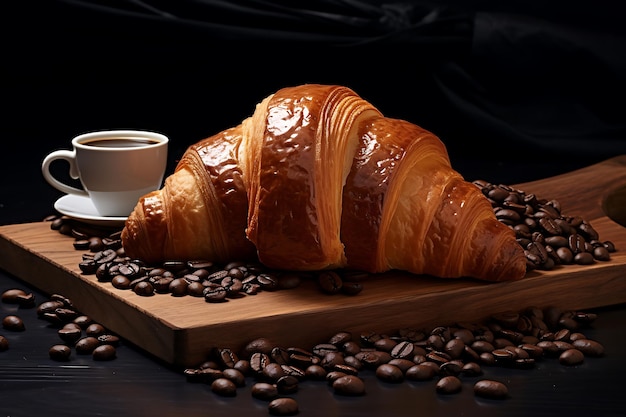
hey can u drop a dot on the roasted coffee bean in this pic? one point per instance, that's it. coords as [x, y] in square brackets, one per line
[18, 296]
[332, 359]
[283, 407]
[449, 385]
[48, 307]
[66, 314]
[329, 282]
[104, 352]
[349, 385]
[144, 289]
[203, 375]
[487, 388]
[268, 282]
[272, 371]
[294, 371]
[60, 353]
[224, 387]
[322, 349]
[315, 372]
[351, 288]
[108, 339]
[403, 364]
[385, 344]
[215, 295]
[571, 357]
[258, 361]
[70, 334]
[373, 359]
[236, 376]
[13, 323]
[260, 345]
[288, 281]
[389, 373]
[83, 321]
[421, 372]
[471, 369]
[583, 258]
[86, 345]
[287, 384]
[455, 348]
[121, 282]
[403, 349]
[4, 343]
[451, 368]
[95, 329]
[264, 391]
[589, 347]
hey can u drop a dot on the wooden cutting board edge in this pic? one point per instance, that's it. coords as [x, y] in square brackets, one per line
[305, 316]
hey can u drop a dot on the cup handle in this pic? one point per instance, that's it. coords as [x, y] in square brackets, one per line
[70, 157]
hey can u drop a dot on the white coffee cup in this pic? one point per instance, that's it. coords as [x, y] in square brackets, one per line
[115, 168]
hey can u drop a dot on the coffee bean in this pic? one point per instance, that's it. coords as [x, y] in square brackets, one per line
[4, 343]
[315, 372]
[224, 387]
[60, 353]
[571, 357]
[329, 282]
[283, 407]
[349, 385]
[491, 389]
[18, 296]
[287, 384]
[70, 334]
[389, 373]
[104, 353]
[589, 347]
[86, 345]
[449, 385]
[235, 375]
[420, 372]
[13, 323]
[264, 391]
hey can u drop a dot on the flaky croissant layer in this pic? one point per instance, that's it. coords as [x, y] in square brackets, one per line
[318, 178]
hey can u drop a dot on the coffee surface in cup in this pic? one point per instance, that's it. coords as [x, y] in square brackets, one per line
[121, 142]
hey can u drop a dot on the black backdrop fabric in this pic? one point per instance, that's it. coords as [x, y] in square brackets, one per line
[501, 85]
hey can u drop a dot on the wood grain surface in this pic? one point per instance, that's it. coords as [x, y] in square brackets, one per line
[182, 330]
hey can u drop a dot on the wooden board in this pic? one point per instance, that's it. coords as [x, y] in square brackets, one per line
[181, 330]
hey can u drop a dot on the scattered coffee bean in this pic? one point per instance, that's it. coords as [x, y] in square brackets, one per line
[18, 296]
[283, 407]
[4, 343]
[264, 391]
[571, 357]
[104, 353]
[491, 389]
[349, 385]
[60, 353]
[449, 385]
[224, 387]
[13, 323]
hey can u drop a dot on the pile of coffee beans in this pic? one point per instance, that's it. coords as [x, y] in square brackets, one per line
[549, 238]
[77, 332]
[445, 354]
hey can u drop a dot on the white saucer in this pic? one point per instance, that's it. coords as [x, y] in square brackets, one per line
[81, 208]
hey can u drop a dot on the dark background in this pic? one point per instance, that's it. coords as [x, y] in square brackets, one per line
[517, 91]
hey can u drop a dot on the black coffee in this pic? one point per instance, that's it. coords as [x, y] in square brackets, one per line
[122, 142]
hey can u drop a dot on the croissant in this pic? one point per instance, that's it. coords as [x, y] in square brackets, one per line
[317, 178]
